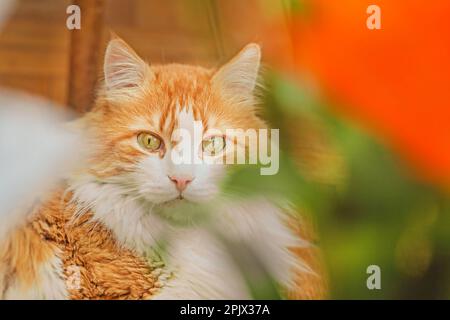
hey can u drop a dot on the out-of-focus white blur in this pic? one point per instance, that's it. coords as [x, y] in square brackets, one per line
[36, 150]
[6, 7]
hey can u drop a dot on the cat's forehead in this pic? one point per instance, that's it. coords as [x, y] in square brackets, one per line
[181, 96]
[181, 80]
[183, 114]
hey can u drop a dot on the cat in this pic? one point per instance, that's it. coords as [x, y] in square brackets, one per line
[104, 234]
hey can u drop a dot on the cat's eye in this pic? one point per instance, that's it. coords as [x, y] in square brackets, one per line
[149, 141]
[213, 145]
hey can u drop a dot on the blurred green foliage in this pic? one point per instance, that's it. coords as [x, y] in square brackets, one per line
[369, 207]
[377, 214]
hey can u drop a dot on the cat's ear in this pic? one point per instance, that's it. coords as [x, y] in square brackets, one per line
[238, 78]
[123, 69]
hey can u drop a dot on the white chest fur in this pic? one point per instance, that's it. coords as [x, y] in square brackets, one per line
[200, 263]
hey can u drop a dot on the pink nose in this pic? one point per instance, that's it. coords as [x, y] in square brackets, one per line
[180, 182]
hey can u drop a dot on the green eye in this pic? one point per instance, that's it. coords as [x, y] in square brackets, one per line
[213, 145]
[149, 141]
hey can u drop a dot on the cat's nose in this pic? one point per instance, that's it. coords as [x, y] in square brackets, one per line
[180, 182]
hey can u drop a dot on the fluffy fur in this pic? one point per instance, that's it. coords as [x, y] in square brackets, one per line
[108, 227]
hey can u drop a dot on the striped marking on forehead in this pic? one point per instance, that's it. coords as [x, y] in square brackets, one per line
[181, 114]
[186, 119]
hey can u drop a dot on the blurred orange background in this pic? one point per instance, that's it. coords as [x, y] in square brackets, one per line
[394, 80]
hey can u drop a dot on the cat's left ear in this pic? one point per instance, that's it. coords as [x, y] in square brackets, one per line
[123, 68]
[238, 78]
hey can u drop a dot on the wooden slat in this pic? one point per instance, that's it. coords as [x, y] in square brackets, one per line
[35, 45]
[34, 49]
[52, 88]
[84, 58]
[19, 62]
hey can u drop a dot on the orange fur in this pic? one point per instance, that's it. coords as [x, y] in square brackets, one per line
[107, 270]
[21, 256]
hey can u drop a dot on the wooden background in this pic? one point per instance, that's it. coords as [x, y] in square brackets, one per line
[40, 55]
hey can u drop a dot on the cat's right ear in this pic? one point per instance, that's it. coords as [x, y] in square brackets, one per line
[123, 69]
[237, 79]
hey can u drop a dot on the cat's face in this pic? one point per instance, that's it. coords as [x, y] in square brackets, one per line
[153, 125]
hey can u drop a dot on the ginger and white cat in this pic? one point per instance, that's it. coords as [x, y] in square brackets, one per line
[100, 235]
